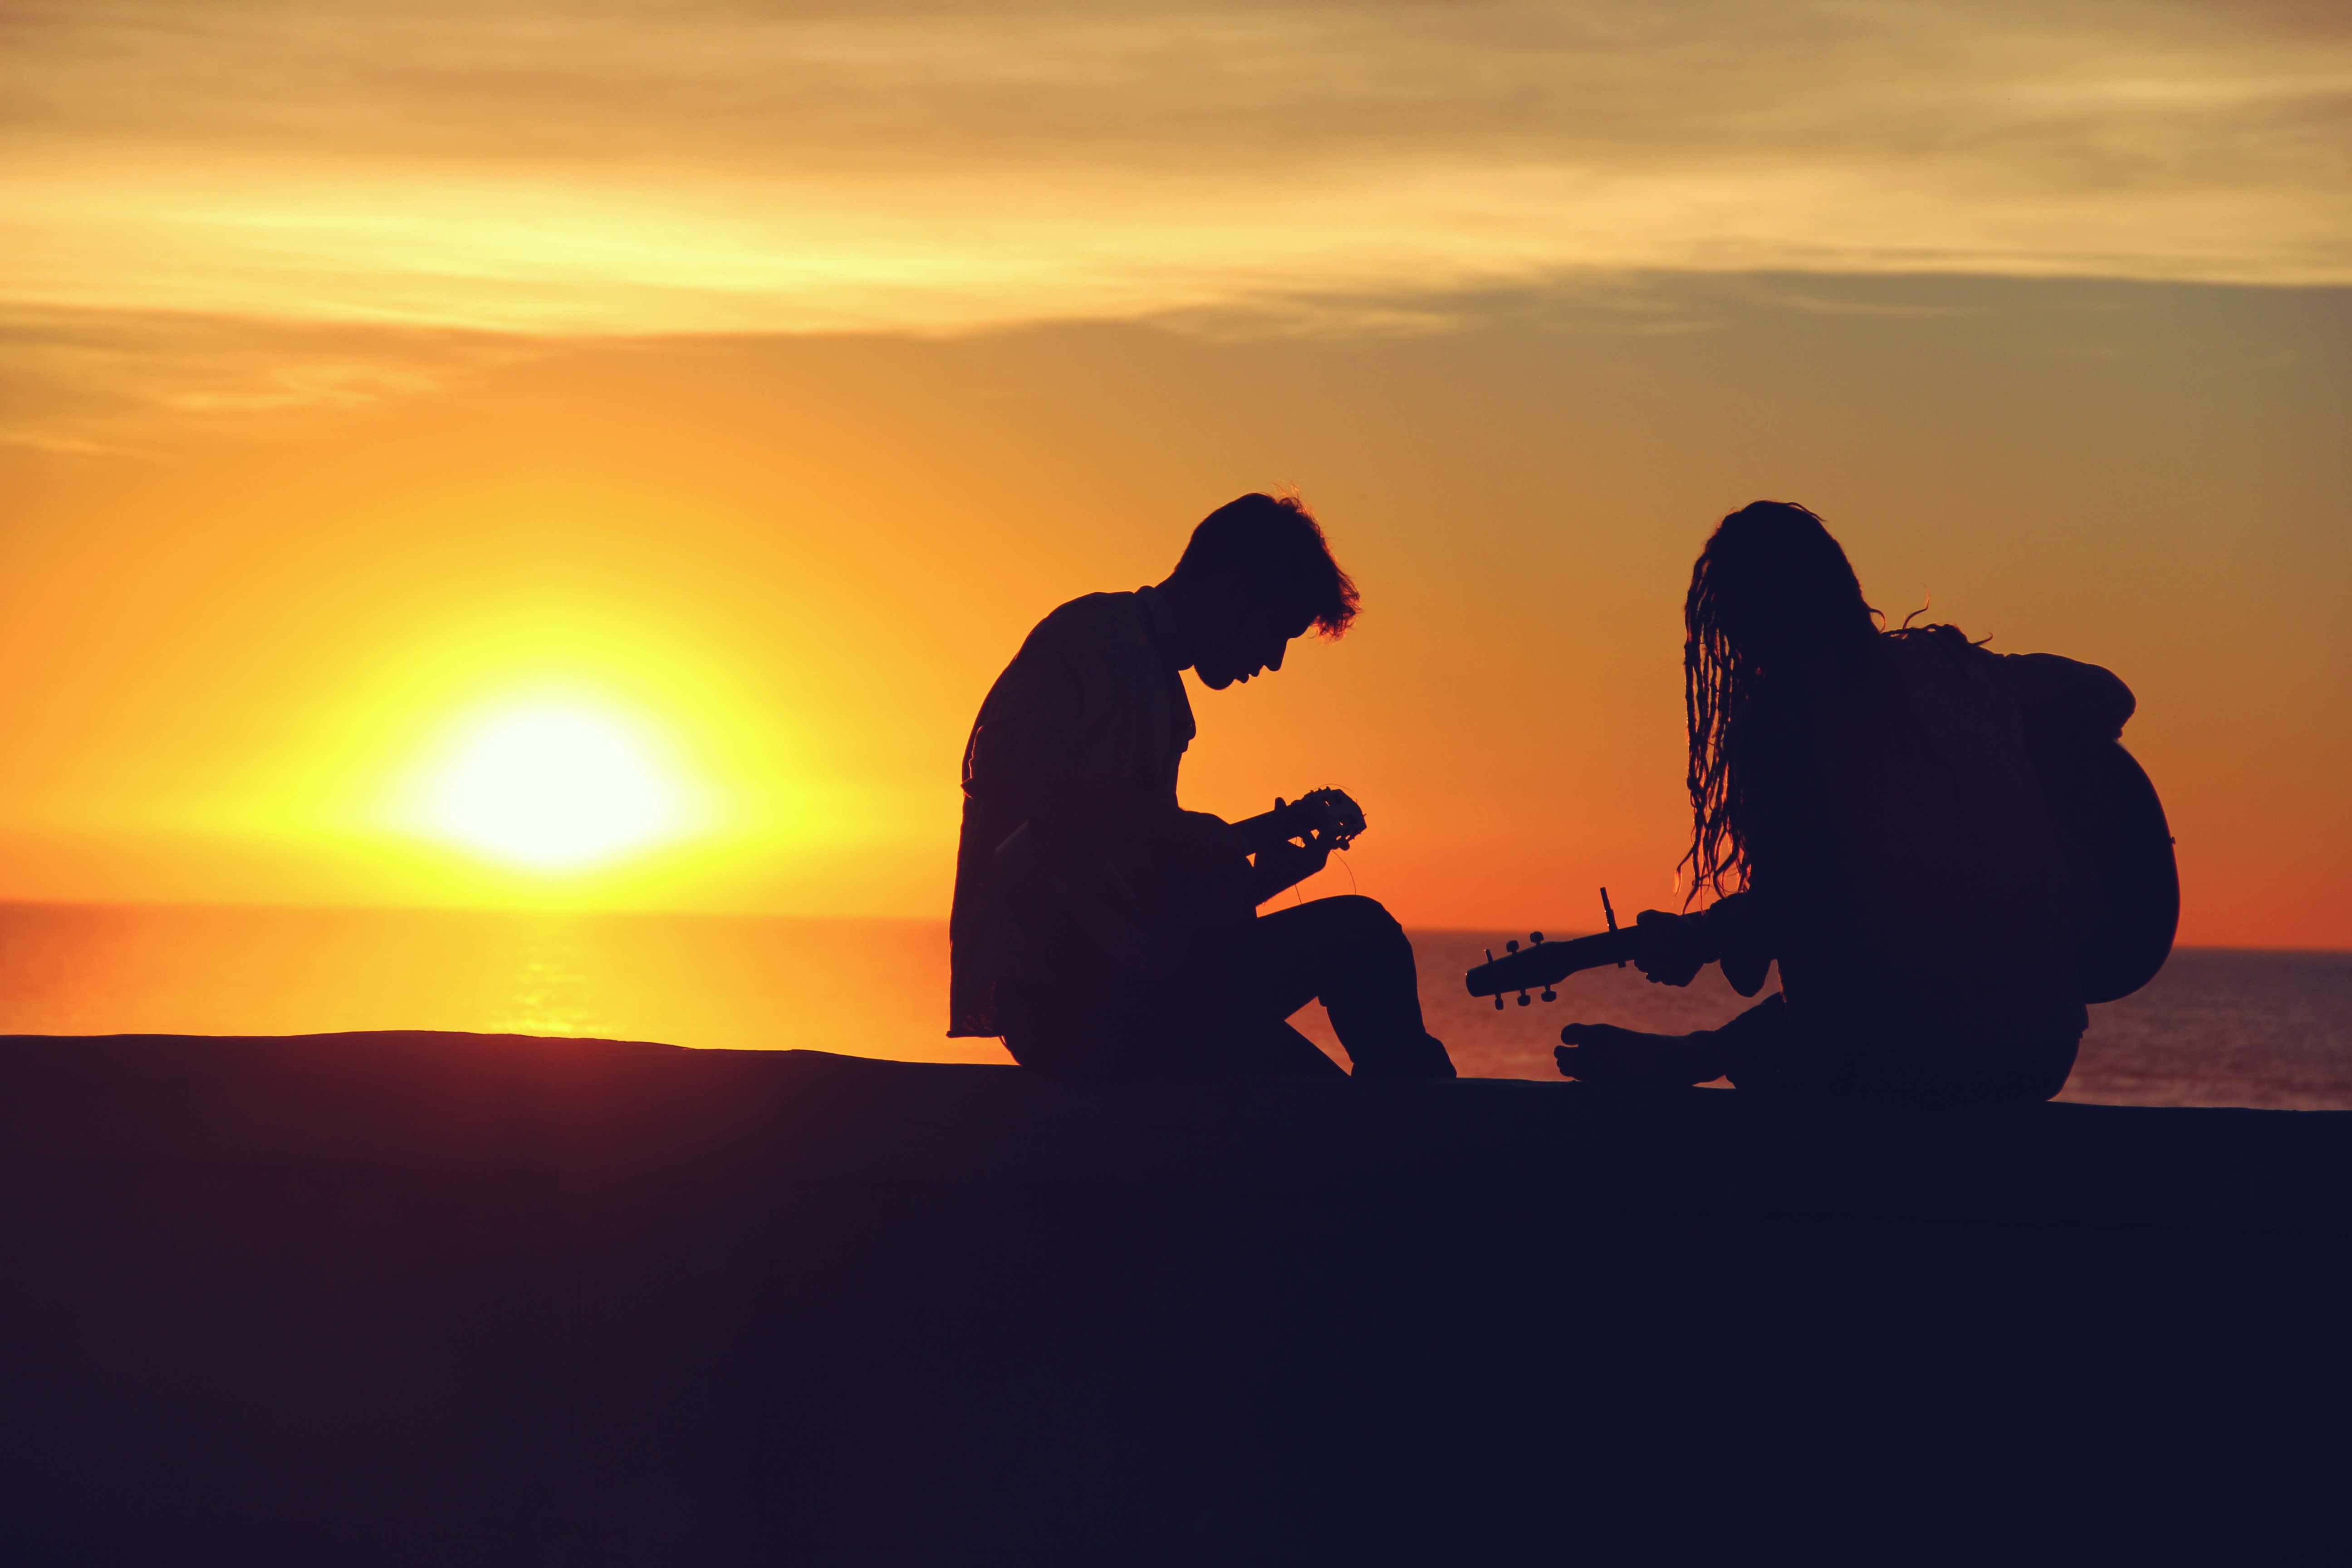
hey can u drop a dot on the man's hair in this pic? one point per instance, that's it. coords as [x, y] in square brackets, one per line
[1275, 543]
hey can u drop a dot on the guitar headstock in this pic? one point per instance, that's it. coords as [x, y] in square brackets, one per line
[1332, 811]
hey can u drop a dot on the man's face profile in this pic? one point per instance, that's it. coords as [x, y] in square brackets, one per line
[1241, 634]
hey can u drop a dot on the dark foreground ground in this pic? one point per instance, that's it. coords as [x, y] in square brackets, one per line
[447, 1300]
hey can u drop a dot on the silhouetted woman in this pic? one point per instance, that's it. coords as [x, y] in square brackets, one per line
[1868, 812]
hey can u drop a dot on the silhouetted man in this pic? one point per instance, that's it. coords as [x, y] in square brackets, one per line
[1103, 931]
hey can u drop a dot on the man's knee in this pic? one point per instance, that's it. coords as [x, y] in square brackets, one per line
[1366, 923]
[1356, 910]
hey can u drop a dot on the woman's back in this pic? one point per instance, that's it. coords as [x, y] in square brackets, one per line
[1929, 901]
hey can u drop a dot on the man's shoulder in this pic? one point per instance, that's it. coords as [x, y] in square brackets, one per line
[1127, 606]
[1088, 626]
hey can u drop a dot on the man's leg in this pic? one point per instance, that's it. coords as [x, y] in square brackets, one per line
[1080, 1027]
[1348, 951]
[1085, 1021]
[1244, 1047]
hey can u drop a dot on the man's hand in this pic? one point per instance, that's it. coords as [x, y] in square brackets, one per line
[1280, 867]
[1672, 951]
[1325, 818]
[1328, 815]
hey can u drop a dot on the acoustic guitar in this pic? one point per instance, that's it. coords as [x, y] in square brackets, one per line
[1138, 902]
[2097, 790]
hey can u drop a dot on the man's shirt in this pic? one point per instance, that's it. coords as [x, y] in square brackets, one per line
[1078, 741]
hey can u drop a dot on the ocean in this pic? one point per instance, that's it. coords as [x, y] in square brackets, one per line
[2217, 1027]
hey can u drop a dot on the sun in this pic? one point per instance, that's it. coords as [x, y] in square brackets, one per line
[555, 785]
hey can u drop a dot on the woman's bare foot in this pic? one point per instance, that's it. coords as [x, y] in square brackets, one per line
[1603, 1053]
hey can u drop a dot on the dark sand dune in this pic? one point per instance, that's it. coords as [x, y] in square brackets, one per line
[447, 1300]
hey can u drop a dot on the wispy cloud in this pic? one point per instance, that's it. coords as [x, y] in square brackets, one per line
[114, 384]
[718, 166]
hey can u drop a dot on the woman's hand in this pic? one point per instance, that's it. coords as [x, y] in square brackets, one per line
[1672, 951]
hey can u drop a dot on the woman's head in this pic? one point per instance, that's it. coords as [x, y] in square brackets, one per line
[1770, 588]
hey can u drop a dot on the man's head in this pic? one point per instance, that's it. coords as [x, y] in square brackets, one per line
[1256, 573]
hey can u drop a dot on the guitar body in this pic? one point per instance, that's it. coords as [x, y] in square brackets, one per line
[2101, 795]
[2097, 790]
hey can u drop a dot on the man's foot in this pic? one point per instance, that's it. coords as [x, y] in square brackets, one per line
[1603, 1053]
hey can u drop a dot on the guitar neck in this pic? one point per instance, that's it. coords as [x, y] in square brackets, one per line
[1549, 962]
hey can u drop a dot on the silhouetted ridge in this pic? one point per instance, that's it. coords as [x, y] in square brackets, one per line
[408, 1297]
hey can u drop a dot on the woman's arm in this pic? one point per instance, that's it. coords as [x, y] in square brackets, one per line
[1736, 930]
[1745, 938]
[2062, 695]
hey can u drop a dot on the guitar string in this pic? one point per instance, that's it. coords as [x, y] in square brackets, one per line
[1298, 897]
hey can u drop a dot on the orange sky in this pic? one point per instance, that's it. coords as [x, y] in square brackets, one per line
[761, 377]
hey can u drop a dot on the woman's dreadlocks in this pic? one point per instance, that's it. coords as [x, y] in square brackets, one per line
[1770, 586]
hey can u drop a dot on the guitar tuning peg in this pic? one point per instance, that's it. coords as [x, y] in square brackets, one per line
[1499, 1001]
[1523, 998]
[1549, 994]
[1535, 939]
[1511, 947]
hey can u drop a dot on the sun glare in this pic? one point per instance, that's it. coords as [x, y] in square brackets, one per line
[555, 786]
